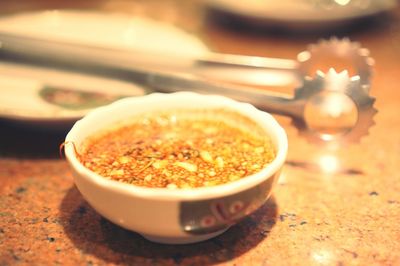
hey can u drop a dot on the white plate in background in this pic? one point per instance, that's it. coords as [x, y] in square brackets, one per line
[105, 30]
[44, 96]
[313, 12]
[23, 86]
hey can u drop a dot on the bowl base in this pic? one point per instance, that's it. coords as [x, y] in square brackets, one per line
[189, 239]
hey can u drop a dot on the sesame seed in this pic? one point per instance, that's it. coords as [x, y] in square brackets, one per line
[187, 166]
[206, 156]
[123, 160]
[148, 177]
[220, 162]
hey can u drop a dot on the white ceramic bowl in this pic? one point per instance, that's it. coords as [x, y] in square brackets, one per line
[179, 215]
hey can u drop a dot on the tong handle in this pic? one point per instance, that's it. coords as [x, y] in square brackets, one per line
[27, 46]
[272, 102]
[245, 61]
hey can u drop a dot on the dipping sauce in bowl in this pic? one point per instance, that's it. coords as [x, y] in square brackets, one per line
[179, 149]
[176, 168]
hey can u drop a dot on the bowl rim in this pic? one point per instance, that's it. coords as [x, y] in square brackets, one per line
[181, 194]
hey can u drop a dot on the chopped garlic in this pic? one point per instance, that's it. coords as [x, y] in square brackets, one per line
[187, 166]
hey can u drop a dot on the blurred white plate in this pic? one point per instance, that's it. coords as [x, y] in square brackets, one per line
[312, 12]
[53, 98]
[105, 30]
[49, 97]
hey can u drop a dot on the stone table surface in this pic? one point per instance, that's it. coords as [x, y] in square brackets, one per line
[330, 207]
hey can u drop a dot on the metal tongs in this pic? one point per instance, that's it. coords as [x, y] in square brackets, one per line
[327, 106]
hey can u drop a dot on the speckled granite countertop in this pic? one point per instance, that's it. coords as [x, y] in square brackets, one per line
[348, 215]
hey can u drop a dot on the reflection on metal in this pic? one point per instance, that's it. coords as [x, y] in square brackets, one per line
[354, 56]
[329, 163]
[342, 2]
[336, 107]
[322, 257]
[330, 113]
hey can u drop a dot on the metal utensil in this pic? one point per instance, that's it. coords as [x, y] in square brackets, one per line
[348, 121]
[208, 65]
[302, 66]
